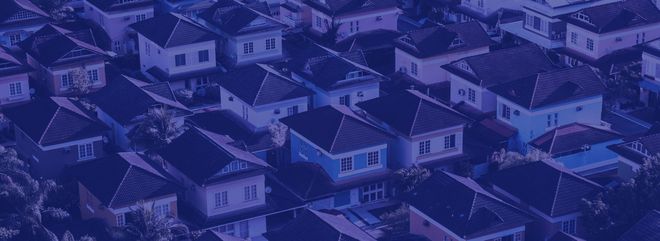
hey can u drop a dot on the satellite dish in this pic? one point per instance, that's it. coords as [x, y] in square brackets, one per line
[268, 190]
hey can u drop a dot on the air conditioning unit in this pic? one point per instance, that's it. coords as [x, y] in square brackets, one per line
[461, 92]
[403, 70]
[276, 111]
[516, 112]
[360, 94]
[379, 18]
[579, 108]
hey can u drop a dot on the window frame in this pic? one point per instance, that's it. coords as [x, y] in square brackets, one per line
[86, 151]
[180, 60]
[203, 56]
[424, 147]
[346, 164]
[15, 89]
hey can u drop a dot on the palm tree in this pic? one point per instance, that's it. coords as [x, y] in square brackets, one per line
[156, 130]
[145, 225]
[408, 178]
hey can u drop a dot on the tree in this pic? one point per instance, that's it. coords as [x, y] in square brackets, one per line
[156, 130]
[329, 38]
[278, 134]
[396, 221]
[68, 236]
[145, 225]
[613, 211]
[80, 82]
[22, 200]
[504, 159]
[408, 178]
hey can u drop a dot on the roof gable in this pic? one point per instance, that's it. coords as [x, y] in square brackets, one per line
[172, 30]
[443, 39]
[18, 10]
[615, 16]
[72, 45]
[261, 85]
[236, 18]
[573, 137]
[319, 226]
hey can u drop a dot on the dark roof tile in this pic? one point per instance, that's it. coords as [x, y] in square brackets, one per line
[172, 30]
[260, 84]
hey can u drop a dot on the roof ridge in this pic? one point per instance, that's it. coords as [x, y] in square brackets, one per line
[554, 199]
[554, 138]
[536, 83]
[49, 123]
[178, 21]
[412, 127]
[114, 195]
[261, 86]
[474, 201]
[334, 140]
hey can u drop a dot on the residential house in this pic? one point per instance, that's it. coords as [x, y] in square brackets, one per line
[542, 24]
[175, 49]
[18, 20]
[56, 132]
[316, 225]
[79, 57]
[249, 33]
[123, 104]
[335, 78]
[634, 151]
[548, 191]
[421, 53]
[595, 32]
[111, 188]
[472, 76]
[643, 229]
[581, 148]
[261, 95]
[347, 156]
[428, 132]
[295, 14]
[489, 13]
[114, 16]
[345, 18]
[14, 79]
[226, 187]
[547, 100]
[450, 207]
[650, 83]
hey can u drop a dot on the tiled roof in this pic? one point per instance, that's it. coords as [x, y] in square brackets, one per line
[468, 211]
[126, 98]
[330, 71]
[368, 40]
[616, 16]
[12, 64]
[572, 137]
[55, 120]
[319, 226]
[502, 66]
[553, 87]
[12, 7]
[123, 179]
[243, 133]
[340, 7]
[235, 18]
[412, 113]
[201, 155]
[172, 30]
[40, 45]
[650, 142]
[336, 129]
[646, 229]
[546, 186]
[438, 40]
[115, 5]
[260, 84]
[210, 235]
[561, 236]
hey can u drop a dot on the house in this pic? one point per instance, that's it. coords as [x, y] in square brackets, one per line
[112, 187]
[226, 187]
[595, 32]
[634, 151]
[123, 104]
[345, 18]
[114, 16]
[335, 78]
[489, 13]
[377, 47]
[210, 235]
[428, 132]
[56, 132]
[547, 100]
[175, 49]
[421, 53]
[581, 148]
[548, 191]
[650, 83]
[450, 207]
[18, 20]
[316, 225]
[542, 24]
[643, 229]
[471, 77]
[78, 57]
[248, 33]
[14, 78]
[343, 151]
[261, 95]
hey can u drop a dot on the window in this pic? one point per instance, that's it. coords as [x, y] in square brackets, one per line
[270, 43]
[574, 37]
[14, 39]
[117, 46]
[233, 166]
[228, 229]
[373, 192]
[472, 95]
[85, 151]
[424, 147]
[93, 75]
[319, 22]
[121, 219]
[568, 226]
[221, 199]
[553, 120]
[147, 48]
[162, 210]
[15, 89]
[355, 26]
[537, 23]
[250, 192]
[244, 229]
[506, 112]
[345, 100]
[180, 59]
[450, 141]
[20, 15]
[518, 236]
[65, 81]
[373, 158]
[590, 44]
[346, 164]
[140, 17]
[248, 48]
[413, 68]
[203, 56]
[480, 3]
[292, 110]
